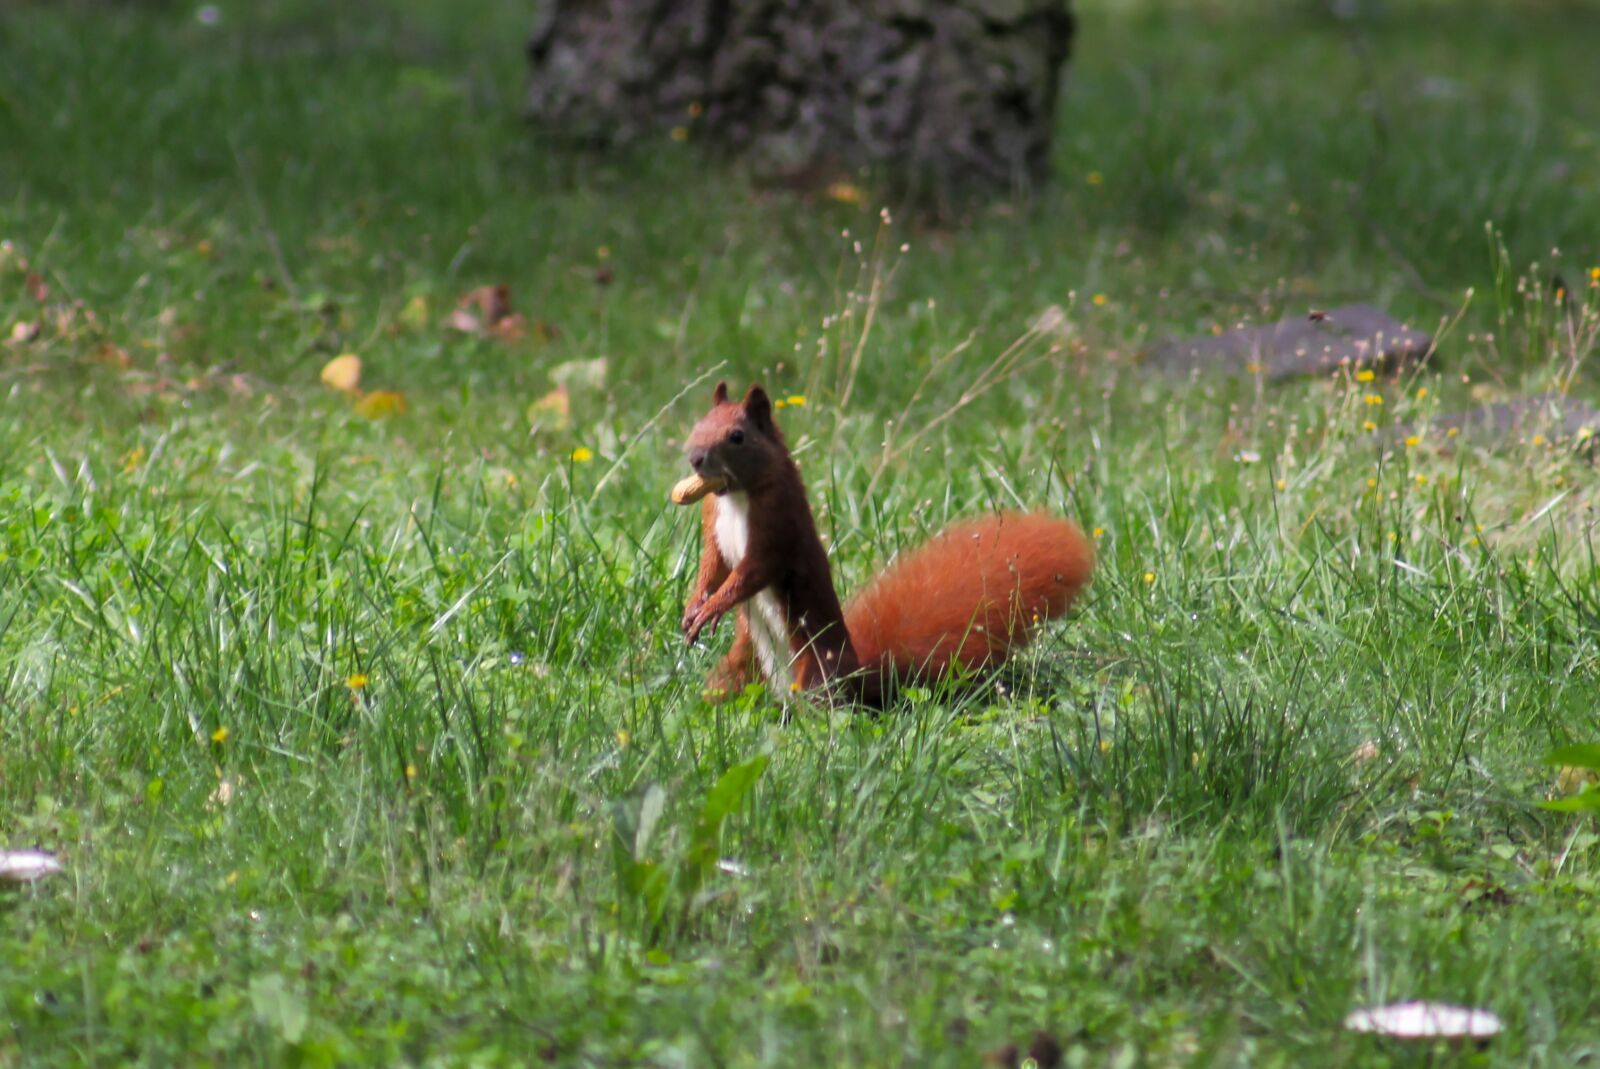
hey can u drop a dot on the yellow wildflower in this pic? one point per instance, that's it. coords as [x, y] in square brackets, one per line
[358, 681]
[1373, 399]
[798, 400]
[1365, 375]
[1100, 300]
[680, 133]
[220, 735]
[1094, 178]
[1413, 440]
[582, 455]
[1149, 577]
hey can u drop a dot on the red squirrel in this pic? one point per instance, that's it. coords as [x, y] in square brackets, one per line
[971, 595]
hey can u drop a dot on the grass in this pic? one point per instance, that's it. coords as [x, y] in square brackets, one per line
[371, 741]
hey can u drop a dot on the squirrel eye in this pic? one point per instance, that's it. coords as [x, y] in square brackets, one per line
[736, 437]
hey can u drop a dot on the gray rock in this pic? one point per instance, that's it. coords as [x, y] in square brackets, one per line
[1561, 419]
[1356, 336]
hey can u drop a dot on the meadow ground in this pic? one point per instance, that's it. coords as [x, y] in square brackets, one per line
[366, 736]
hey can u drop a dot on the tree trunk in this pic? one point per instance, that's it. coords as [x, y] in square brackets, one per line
[943, 95]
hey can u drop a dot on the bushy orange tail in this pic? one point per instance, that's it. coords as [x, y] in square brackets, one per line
[971, 595]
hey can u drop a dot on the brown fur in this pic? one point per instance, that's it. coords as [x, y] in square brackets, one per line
[741, 444]
[970, 596]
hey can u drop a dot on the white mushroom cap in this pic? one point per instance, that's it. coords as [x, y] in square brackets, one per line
[25, 866]
[1425, 1020]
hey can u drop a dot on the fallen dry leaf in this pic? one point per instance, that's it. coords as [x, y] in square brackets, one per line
[486, 312]
[464, 321]
[554, 408]
[113, 355]
[381, 404]
[492, 302]
[37, 287]
[414, 316]
[590, 373]
[343, 373]
[510, 328]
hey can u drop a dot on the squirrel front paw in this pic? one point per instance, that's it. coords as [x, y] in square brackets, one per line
[690, 611]
[701, 621]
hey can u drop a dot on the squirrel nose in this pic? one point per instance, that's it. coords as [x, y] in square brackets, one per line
[697, 459]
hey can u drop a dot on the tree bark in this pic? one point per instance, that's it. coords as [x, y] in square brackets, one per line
[945, 95]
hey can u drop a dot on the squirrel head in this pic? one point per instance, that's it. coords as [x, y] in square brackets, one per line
[737, 441]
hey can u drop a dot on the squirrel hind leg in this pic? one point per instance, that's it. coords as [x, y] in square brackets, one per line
[735, 671]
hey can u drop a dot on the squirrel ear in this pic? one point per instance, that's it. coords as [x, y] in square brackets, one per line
[758, 408]
[719, 396]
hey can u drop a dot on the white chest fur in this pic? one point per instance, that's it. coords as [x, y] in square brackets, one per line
[769, 629]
